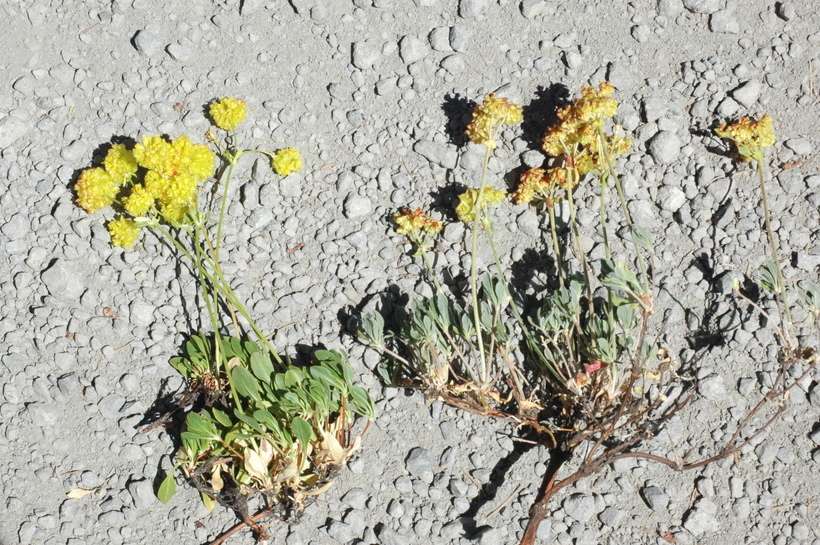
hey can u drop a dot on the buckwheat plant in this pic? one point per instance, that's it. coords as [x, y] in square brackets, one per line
[579, 368]
[258, 424]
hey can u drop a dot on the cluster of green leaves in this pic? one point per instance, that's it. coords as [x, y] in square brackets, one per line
[277, 429]
[437, 335]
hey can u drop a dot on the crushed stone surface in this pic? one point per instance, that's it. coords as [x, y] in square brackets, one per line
[375, 94]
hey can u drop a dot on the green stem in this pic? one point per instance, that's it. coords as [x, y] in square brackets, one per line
[430, 270]
[611, 169]
[556, 248]
[232, 161]
[483, 368]
[610, 317]
[787, 323]
[581, 254]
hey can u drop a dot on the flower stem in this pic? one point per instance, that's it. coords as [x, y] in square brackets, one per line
[556, 248]
[784, 302]
[483, 367]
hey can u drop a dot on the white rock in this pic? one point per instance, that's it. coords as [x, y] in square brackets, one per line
[365, 54]
[665, 147]
[411, 49]
[147, 43]
[670, 8]
[471, 8]
[533, 8]
[746, 95]
[702, 6]
[724, 21]
[671, 198]
[440, 38]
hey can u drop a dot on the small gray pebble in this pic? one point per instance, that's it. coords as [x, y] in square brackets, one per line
[388, 536]
[365, 54]
[110, 405]
[437, 153]
[61, 281]
[142, 493]
[357, 206]
[785, 10]
[611, 516]
[529, 223]
[665, 147]
[801, 146]
[670, 8]
[16, 227]
[180, 52]
[671, 198]
[580, 507]
[453, 63]
[655, 497]
[698, 522]
[747, 94]
[712, 387]
[533, 8]
[724, 21]
[439, 39]
[341, 532]
[727, 107]
[412, 49]
[702, 6]
[420, 464]
[471, 8]
[459, 38]
[147, 43]
[356, 498]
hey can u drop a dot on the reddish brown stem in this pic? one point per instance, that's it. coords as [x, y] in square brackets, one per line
[249, 522]
[549, 487]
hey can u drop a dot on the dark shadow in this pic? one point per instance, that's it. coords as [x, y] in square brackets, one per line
[490, 490]
[459, 114]
[445, 199]
[542, 112]
[523, 271]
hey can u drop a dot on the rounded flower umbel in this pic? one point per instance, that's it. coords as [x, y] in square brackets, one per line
[491, 114]
[469, 201]
[417, 226]
[228, 113]
[286, 161]
[750, 137]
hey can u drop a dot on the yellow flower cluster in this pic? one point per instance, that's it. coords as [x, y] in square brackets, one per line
[488, 115]
[467, 201]
[410, 222]
[124, 232]
[576, 135]
[174, 169]
[750, 137]
[172, 172]
[228, 112]
[286, 161]
[540, 184]
[98, 187]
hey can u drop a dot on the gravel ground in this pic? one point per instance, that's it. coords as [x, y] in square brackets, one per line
[374, 93]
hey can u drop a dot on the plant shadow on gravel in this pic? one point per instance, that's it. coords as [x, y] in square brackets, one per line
[542, 112]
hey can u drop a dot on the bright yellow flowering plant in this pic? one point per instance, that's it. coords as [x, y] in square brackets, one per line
[260, 423]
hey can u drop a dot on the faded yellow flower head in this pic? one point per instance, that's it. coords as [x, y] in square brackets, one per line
[488, 115]
[750, 137]
[539, 184]
[228, 112]
[466, 208]
[96, 189]
[409, 222]
[287, 161]
[124, 232]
